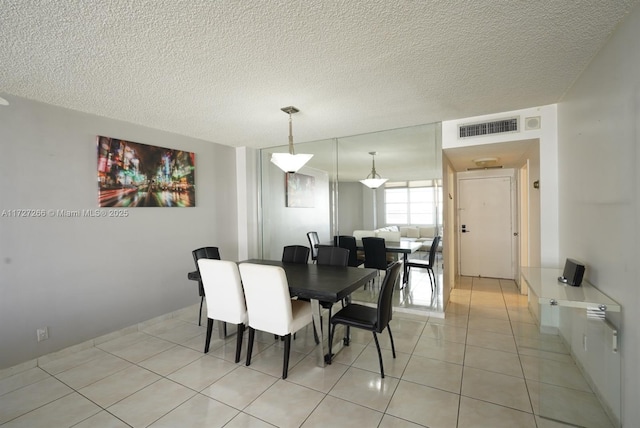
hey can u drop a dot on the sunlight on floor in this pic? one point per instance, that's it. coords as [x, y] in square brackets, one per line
[416, 297]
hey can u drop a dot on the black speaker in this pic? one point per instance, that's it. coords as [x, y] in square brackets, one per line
[573, 273]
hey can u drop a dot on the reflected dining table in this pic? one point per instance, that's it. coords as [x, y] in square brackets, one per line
[401, 247]
[318, 284]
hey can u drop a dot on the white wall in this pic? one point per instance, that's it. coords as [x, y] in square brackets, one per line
[599, 186]
[534, 214]
[350, 207]
[247, 179]
[547, 136]
[85, 277]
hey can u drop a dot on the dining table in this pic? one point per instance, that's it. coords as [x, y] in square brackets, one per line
[318, 284]
[401, 247]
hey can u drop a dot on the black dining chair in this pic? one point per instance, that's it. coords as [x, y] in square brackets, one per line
[333, 256]
[427, 264]
[349, 242]
[204, 253]
[375, 253]
[295, 254]
[313, 243]
[375, 319]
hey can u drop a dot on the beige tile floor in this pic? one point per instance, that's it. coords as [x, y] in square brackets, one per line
[474, 367]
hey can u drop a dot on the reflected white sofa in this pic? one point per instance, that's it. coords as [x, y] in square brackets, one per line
[423, 234]
[420, 234]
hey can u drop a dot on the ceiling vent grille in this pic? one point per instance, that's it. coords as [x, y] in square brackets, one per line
[486, 128]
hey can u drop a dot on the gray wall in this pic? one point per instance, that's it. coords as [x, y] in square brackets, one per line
[599, 186]
[350, 207]
[85, 277]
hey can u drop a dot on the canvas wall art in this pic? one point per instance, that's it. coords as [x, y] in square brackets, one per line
[140, 175]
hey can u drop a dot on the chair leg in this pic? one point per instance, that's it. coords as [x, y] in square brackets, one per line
[375, 337]
[432, 277]
[200, 313]
[332, 331]
[252, 334]
[209, 331]
[393, 348]
[240, 333]
[287, 352]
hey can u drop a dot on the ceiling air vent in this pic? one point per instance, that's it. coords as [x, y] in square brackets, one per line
[486, 128]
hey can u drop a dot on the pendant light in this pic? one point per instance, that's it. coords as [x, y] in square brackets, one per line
[290, 162]
[373, 180]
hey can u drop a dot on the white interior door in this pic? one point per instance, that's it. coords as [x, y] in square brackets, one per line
[486, 230]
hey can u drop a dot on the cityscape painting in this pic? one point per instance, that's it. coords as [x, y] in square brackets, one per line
[139, 175]
[300, 190]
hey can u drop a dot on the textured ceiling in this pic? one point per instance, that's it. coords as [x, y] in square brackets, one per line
[221, 70]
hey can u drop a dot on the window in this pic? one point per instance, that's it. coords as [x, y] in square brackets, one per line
[413, 202]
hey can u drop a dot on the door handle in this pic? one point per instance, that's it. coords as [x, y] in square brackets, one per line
[464, 228]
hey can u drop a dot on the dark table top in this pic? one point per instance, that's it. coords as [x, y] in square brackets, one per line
[310, 281]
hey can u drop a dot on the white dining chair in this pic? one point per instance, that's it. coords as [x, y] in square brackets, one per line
[225, 297]
[270, 307]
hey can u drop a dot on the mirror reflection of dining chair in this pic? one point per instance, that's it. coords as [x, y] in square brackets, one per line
[313, 243]
[349, 242]
[333, 256]
[375, 254]
[270, 307]
[427, 264]
[225, 297]
[295, 254]
[204, 253]
[375, 319]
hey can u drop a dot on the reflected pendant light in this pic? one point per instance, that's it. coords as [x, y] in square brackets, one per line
[290, 162]
[373, 180]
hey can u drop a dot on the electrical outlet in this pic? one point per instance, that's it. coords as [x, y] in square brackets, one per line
[43, 334]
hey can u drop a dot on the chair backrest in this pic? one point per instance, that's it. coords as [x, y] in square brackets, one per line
[313, 243]
[204, 253]
[268, 301]
[432, 251]
[349, 243]
[375, 253]
[223, 290]
[385, 298]
[333, 256]
[295, 254]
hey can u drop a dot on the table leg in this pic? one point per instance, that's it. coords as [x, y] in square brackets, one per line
[321, 356]
[317, 324]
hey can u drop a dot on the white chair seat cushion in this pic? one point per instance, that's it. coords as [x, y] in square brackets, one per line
[301, 313]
